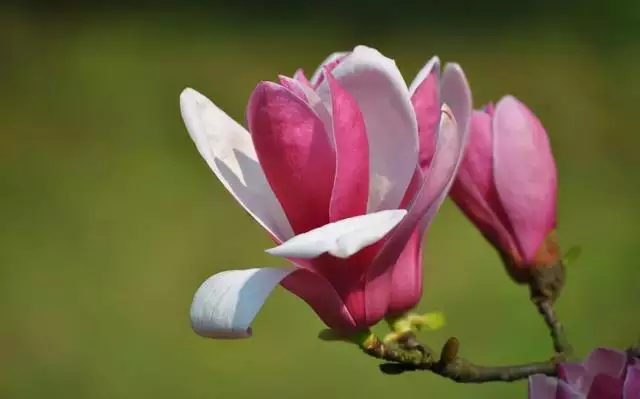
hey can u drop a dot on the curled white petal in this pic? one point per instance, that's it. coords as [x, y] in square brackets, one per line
[226, 303]
[228, 150]
[342, 238]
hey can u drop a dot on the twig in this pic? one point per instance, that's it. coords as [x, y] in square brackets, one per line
[545, 285]
[560, 342]
[451, 366]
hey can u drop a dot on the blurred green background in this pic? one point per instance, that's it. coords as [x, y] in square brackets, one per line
[110, 219]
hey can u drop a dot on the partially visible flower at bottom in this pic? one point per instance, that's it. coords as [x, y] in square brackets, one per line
[605, 374]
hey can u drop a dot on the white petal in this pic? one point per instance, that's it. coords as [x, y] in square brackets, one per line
[424, 72]
[342, 238]
[392, 129]
[318, 72]
[228, 150]
[226, 303]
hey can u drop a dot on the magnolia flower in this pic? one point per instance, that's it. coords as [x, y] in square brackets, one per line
[329, 167]
[605, 374]
[507, 185]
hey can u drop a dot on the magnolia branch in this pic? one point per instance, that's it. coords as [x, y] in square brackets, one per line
[411, 355]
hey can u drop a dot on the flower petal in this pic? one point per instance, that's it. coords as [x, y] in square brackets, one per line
[227, 148]
[378, 87]
[330, 61]
[452, 139]
[525, 174]
[632, 383]
[226, 303]
[605, 386]
[300, 77]
[474, 190]
[542, 387]
[342, 238]
[351, 186]
[576, 375]
[425, 97]
[314, 102]
[322, 297]
[295, 154]
[294, 85]
[606, 361]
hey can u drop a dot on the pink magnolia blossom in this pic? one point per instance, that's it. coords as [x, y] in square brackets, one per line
[329, 167]
[507, 184]
[605, 374]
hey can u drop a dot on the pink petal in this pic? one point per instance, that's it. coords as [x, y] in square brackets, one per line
[632, 383]
[566, 391]
[406, 277]
[525, 174]
[452, 138]
[606, 361]
[474, 190]
[300, 77]
[378, 87]
[449, 151]
[351, 187]
[293, 85]
[542, 387]
[318, 293]
[295, 153]
[313, 100]
[330, 63]
[576, 375]
[425, 98]
[605, 387]
[228, 150]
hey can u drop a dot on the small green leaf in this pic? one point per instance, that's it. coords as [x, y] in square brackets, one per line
[571, 255]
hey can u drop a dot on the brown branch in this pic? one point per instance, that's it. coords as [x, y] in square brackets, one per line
[546, 284]
[411, 355]
[560, 341]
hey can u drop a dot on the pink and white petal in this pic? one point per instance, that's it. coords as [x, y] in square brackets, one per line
[525, 174]
[566, 391]
[632, 383]
[225, 305]
[314, 102]
[452, 138]
[576, 375]
[449, 151]
[330, 61]
[341, 239]
[295, 153]
[301, 77]
[228, 150]
[542, 387]
[432, 67]
[392, 130]
[293, 85]
[351, 186]
[425, 97]
[606, 361]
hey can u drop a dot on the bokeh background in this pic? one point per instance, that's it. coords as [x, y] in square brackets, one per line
[110, 219]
